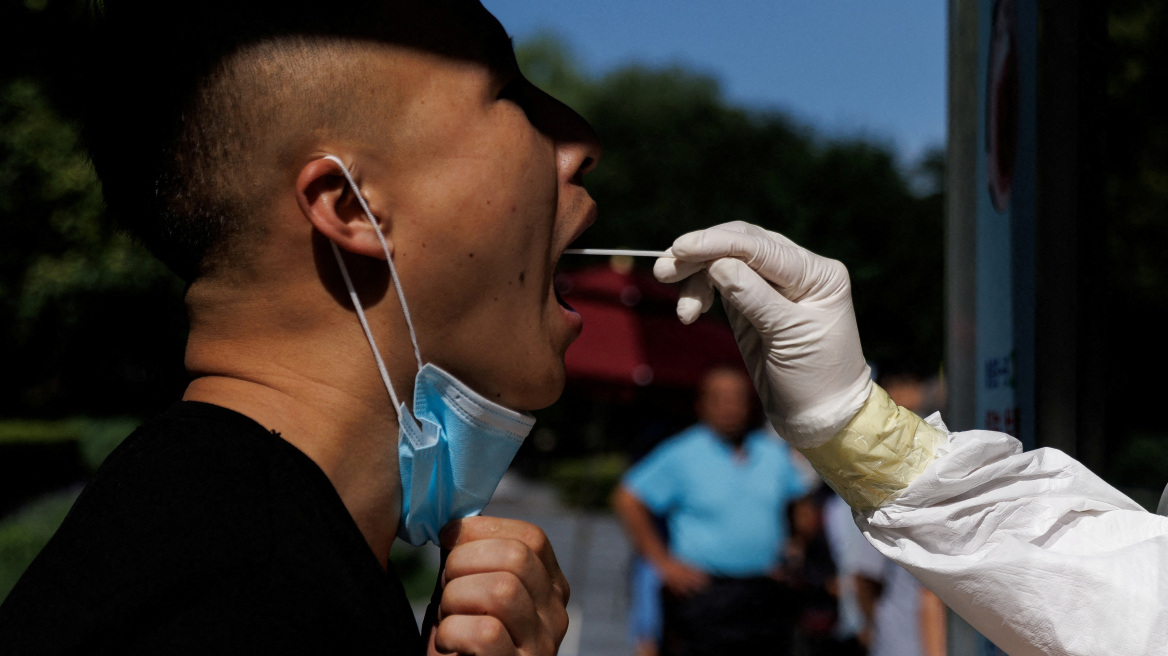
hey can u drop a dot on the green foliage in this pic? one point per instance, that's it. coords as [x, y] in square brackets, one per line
[1143, 462]
[549, 64]
[93, 322]
[41, 456]
[24, 534]
[588, 482]
[97, 438]
[100, 438]
[414, 566]
[36, 431]
[1140, 468]
[1136, 129]
[51, 199]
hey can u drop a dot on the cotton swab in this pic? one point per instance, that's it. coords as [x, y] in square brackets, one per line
[616, 251]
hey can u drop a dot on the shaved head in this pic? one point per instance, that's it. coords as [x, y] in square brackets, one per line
[188, 109]
[256, 114]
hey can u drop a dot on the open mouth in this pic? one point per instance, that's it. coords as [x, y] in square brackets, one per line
[560, 282]
[562, 286]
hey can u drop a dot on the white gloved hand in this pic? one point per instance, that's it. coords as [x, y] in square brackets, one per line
[792, 315]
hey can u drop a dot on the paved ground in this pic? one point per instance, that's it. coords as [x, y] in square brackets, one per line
[594, 555]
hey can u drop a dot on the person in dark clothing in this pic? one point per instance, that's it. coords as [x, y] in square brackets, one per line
[812, 576]
[206, 533]
[336, 184]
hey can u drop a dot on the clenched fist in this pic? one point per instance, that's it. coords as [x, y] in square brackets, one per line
[503, 591]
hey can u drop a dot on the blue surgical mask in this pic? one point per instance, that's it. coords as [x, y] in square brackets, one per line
[455, 446]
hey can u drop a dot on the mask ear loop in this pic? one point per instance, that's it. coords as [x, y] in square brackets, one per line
[396, 284]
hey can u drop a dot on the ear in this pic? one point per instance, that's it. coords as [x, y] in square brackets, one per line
[330, 204]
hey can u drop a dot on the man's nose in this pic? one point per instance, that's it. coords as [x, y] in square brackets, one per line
[578, 146]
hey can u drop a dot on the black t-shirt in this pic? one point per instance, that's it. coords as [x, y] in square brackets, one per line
[204, 533]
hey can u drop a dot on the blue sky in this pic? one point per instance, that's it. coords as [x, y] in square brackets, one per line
[872, 68]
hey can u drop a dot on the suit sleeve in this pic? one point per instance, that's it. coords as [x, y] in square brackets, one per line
[1034, 550]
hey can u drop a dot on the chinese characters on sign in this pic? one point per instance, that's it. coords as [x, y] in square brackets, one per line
[999, 372]
[1003, 421]
[998, 375]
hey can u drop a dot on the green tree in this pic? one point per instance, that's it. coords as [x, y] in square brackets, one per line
[89, 323]
[93, 323]
[1136, 130]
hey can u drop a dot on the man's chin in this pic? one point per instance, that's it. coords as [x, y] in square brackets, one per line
[547, 392]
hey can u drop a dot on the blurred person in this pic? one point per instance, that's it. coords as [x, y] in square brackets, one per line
[858, 573]
[645, 615]
[907, 619]
[722, 490]
[367, 202]
[1031, 548]
[811, 572]
[645, 620]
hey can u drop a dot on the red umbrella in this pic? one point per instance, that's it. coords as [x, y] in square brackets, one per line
[631, 332]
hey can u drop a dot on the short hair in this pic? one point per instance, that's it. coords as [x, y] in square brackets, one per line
[247, 110]
[176, 97]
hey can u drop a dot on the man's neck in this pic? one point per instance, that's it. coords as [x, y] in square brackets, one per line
[321, 392]
[359, 458]
[735, 440]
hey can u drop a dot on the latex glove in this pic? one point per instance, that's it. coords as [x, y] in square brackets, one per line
[792, 315]
[503, 592]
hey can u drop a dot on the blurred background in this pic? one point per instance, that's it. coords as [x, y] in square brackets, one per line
[827, 124]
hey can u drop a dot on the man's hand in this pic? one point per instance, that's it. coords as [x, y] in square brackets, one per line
[792, 316]
[504, 593]
[681, 579]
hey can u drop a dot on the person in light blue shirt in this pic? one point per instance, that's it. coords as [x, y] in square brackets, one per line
[723, 491]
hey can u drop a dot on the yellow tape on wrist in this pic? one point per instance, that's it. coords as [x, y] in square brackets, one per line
[881, 450]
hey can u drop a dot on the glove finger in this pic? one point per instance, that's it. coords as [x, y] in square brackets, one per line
[777, 258]
[743, 228]
[669, 269]
[697, 295]
[734, 239]
[751, 346]
[749, 293]
[708, 295]
[751, 229]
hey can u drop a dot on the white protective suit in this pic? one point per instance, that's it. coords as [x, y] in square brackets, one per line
[1031, 548]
